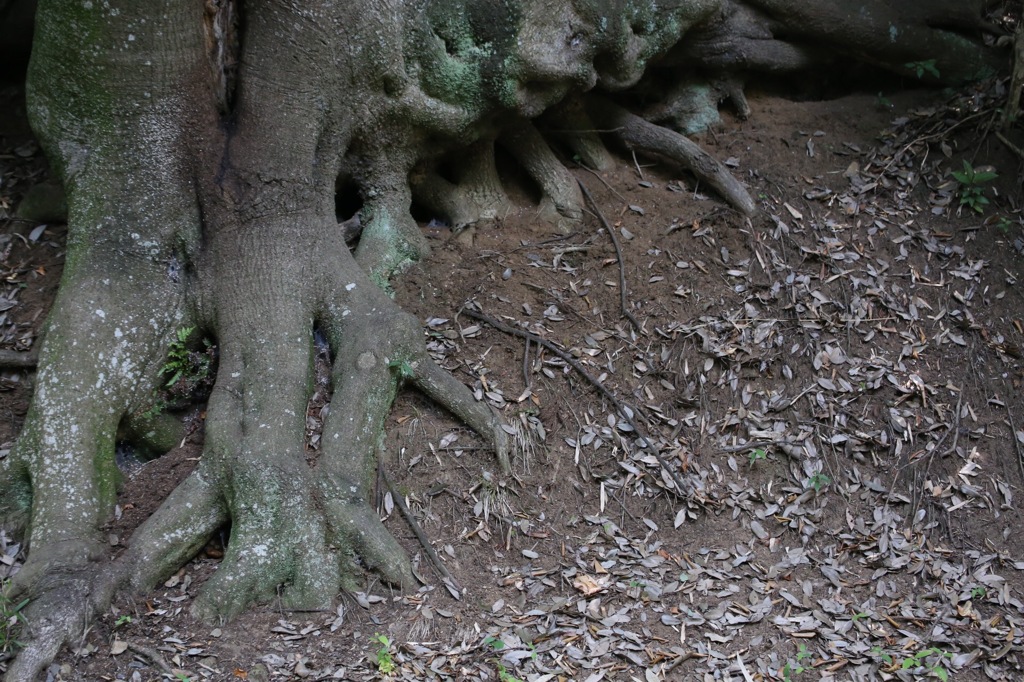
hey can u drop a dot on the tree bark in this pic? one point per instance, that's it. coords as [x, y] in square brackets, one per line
[201, 147]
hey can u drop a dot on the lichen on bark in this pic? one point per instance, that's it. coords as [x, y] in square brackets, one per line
[194, 202]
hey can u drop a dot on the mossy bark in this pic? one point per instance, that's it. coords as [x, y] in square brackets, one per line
[204, 195]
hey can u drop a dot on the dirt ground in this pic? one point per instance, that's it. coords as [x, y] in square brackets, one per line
[832, 387]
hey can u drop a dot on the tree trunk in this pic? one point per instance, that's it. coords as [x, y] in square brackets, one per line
[200, 148]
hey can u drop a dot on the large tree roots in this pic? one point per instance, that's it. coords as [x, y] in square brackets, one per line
[301, 531]
[182, 218]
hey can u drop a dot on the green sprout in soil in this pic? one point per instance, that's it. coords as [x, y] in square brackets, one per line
[920, 660]
[818, 481]
[922, 67]
[385, 663]
[11, 621]
[503, 674]
[789, 670]
[972, 190]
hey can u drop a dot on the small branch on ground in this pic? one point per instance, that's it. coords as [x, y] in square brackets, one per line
[16, 359]
[527, 380]
[683, 489]
[1014, 148]
[1012, 112]
[623, 301]
[153, 656]
[424, 541]
[1016, 441]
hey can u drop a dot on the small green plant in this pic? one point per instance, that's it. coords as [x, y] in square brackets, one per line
[1004, 225]
[972, 190]
[880, 654]
[505, 676]
[188, 371]
[385, 663]
[402, 368]
[818, 481]
[122, 620]
[920, 660]
[757, 455]
[978, 592]
[11, 620]
[178, 361]
[922, 67]
[857, 617]
[789, 669]
[884, 102]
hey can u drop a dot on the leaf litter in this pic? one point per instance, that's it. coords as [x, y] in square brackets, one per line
[828, 386]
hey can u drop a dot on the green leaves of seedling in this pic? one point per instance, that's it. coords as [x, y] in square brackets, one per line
[11, 620]
[385, 663]
[972, 192]
[922, 67]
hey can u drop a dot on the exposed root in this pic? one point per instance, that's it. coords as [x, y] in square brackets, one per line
[428, 548]
[476, 194]
[16, 501]
[625, 411]
[692, 106]
[623, 298]
[1016, 91]
[62, 607]
[570, 123]
[153, 434]
[645, 136]
[153, 656]
[390, 238]
[562, 198]
[175, 532]
[18, 359]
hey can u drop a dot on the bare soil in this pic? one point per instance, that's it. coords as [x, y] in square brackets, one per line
[837, 380]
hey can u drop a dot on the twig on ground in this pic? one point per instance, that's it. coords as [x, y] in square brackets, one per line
[636, 164]
[756, 444]
[151, 655]
[1012, 111]
[428, 549]
[623, 300]
[1014, 148]
[605, 183]
[1016, 441]
[956, 426]
[527, 383]
[19, 359]
[627, 411]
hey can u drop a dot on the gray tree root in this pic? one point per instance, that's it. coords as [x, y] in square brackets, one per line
[570, 123]
[60, 613]
[477, 193]
[644, 136]
[561, 195]
[179, 217]
[691, 107]
[391, 239]
[18, 359]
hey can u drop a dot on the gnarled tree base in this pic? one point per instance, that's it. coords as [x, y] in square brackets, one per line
[201, 187]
